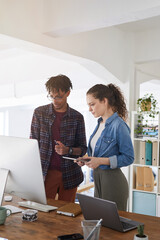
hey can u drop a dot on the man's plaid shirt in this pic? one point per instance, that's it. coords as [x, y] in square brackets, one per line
[72, 133]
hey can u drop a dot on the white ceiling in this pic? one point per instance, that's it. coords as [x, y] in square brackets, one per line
[24, 62]
[152, 69]
[81, 16]
[22, 69]
[141, 25]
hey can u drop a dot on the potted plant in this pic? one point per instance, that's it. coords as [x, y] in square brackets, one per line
[140, 235]
[147, 104]
[147, 109]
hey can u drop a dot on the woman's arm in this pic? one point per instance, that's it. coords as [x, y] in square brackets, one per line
[97, 161]
[125, 156]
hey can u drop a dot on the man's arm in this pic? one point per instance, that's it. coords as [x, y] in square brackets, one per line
[35, 126]
[61, 149]
[80, 138]
[79, 147]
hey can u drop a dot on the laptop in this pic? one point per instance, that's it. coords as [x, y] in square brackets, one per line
[96, 208]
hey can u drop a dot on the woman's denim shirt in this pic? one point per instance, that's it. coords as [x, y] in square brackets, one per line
[114, 143]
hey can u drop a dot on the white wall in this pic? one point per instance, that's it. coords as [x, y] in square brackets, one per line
[109, 47]
[17, 121]
[147, 45]
[147, 58]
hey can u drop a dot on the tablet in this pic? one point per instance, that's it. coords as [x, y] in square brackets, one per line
[75, 159]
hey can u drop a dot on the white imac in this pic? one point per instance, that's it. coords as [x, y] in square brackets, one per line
[22, 158]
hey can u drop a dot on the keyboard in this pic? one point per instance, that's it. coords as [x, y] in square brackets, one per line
[127, 225]
[37, 206]
[13, 208]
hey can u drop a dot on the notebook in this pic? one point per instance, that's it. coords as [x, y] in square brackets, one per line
[70, 209]
[96, 208]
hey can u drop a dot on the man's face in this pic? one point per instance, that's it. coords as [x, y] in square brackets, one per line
[59, 100]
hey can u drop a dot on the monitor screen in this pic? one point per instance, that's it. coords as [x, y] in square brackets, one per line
[22, 158]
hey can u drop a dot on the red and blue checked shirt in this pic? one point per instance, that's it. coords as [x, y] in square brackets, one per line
[72, 134]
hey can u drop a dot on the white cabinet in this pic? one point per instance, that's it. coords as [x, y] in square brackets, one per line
[143, 198]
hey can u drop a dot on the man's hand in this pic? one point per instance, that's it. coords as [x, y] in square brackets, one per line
[61, 149]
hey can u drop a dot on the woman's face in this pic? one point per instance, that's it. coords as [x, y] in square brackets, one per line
[96, 107]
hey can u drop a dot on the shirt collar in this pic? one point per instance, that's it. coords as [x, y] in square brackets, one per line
[110, 119]
[51, 110]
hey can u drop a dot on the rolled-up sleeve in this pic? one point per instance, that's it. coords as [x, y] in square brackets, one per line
[126, 151]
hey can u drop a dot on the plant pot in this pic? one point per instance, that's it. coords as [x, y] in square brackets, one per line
[146, 106]
[136, 237]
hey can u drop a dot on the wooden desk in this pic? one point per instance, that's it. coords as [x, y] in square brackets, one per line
[50, 225]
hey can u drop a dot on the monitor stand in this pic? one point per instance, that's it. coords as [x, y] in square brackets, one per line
[3, 180]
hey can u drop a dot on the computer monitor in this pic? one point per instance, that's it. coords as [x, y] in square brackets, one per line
[22, 158]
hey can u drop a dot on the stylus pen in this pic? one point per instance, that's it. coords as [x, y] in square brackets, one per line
[56, 142]
[93, 230]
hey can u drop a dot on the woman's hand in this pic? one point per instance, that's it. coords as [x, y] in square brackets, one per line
[93, 163]
[78, 161]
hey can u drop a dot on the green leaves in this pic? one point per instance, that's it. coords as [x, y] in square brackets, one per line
[148, 103]
[147, 106]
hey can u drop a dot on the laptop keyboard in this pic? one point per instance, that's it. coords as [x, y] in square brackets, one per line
[126, 225]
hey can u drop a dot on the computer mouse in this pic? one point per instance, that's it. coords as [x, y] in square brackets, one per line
[7, 198]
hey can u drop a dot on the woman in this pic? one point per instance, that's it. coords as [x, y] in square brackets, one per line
[110, 146]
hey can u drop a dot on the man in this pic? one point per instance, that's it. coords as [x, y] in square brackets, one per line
[60, 130]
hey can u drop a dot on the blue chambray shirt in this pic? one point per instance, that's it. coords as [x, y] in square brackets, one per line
[114, 143]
